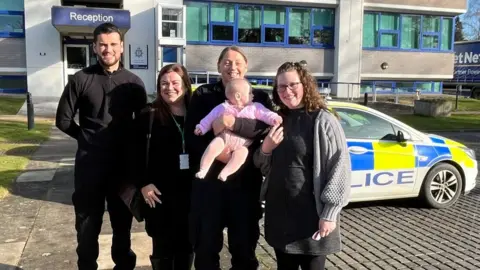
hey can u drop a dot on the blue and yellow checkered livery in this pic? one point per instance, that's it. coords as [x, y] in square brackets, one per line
[393, 155]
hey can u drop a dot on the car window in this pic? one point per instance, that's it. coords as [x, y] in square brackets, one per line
[363, 125]
[406, 134]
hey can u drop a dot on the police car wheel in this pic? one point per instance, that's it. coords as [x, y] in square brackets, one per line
[442, 186]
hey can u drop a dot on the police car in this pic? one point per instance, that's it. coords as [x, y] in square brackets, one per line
[392, 160]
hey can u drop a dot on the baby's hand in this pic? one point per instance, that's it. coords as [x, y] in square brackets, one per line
[198, 132]
[277, 120]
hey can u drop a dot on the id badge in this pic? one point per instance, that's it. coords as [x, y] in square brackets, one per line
[184, 164]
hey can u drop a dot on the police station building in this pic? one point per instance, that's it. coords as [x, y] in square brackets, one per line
[354, 46]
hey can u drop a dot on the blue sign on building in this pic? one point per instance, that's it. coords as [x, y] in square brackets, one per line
[467, 62]
[89, 17]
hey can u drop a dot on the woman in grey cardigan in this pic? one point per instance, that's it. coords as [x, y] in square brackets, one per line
[307, 169]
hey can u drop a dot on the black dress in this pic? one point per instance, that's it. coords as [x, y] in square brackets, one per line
[290, 211]
[167, 223]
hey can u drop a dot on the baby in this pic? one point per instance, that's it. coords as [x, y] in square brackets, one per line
[239, 104]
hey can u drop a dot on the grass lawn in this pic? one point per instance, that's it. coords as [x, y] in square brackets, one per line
[10, 105]
[17, 144]
[454, 122]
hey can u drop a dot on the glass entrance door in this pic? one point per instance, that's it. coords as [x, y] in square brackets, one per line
[75, 58]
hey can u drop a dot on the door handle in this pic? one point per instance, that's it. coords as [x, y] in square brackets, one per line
[357, 150]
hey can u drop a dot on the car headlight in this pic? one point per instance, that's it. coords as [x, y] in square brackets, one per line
[470, 153]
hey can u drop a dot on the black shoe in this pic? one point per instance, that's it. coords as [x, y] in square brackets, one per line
[162, 263]
[184, 262]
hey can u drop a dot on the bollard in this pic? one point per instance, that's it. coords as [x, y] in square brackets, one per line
[365, 99]
[30, 112]
[457, 93]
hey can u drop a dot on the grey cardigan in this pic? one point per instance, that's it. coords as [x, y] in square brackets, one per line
[331, 167]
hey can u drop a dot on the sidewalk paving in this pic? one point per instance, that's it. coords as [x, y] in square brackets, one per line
[37, 228]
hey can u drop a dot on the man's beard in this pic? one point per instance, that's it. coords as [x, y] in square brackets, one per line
[100, 60]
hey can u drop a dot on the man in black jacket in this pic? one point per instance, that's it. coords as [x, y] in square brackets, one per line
[234, 203]
[106, 96]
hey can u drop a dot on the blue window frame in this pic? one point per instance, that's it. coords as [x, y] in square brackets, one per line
[11, 84]
[409, 32]
[259, 25]
[401, 87]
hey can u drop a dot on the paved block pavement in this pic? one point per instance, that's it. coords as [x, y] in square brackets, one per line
[37, 230]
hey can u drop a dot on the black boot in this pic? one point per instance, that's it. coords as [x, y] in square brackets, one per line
[162, 263]
[183, 262]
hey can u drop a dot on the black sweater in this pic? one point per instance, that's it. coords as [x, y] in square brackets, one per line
[105, 102]
[169, 218]
[204, 99]
[165, 148]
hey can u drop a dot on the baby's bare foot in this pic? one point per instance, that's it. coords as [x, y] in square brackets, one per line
[222, 177]
[201, 174]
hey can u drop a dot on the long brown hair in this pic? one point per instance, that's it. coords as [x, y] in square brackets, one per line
[162, 109]
[311, 97]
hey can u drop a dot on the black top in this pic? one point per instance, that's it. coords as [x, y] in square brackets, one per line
[164, 160]
[290, 212]
[105, 102]
[163, 170]
[204, 99]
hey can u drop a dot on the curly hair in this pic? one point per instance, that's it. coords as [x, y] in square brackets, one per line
[311, 97]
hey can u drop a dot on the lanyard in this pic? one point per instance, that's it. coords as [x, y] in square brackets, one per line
[181, 130]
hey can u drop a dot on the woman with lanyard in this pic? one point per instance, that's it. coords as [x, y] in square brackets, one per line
[166, 183]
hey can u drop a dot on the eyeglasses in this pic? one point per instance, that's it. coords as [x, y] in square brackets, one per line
[292, 86]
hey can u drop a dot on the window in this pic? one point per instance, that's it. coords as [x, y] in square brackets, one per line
[423, 87]
[11, 24]
[172, 22]
[362, 125]
[11, 18]
[447, 35]
[249, 21]
[384, 87]
[406, 134]
[407, 32]
[13, 84]
[323, 23]
[299, 26]
[366, 88]
[388, 33]
[370, 30]
[400, 87]
[274, 24]
[12, 5]
[405, 87]
[410, 32]
[169, 55]
[259, 25]
[223, 19]
[430, 29]
[197, 22]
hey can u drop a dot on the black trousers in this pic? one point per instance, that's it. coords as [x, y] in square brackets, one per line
[216, 205]
[94, 185]
[167, 225]
[287, 261]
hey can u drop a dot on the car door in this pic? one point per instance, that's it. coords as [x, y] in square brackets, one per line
[382, 167]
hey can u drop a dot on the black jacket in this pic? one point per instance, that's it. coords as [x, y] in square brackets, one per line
[163, 170]
[105, 102]
[204, 99]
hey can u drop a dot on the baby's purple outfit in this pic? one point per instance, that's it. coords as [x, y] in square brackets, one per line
[254, 110]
